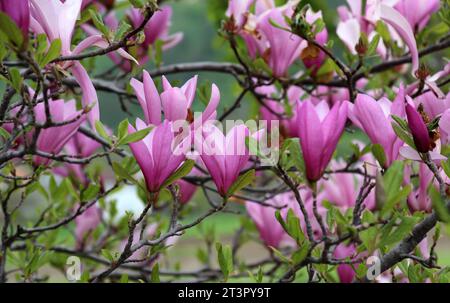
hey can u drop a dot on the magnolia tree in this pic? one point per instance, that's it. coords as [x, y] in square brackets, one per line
[341, 175]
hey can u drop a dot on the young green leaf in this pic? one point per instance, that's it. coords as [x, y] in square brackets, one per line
[182, 171]
[242, 181]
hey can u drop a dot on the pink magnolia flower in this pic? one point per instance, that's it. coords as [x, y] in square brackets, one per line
[85, 224]
[53, 139]
[223, 156]
[19, 12]
[418, 128]
[282, 47]
[159, 154]
[56, 19]
[276, 46]
[173, 101]
[270, 230]
[373, 117]
[418, 16]
[419, 131]
[319, 130]
[83, 146]
[346, 273]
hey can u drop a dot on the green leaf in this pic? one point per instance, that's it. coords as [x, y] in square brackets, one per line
[158, 52]
[259, 277]
[301, 254]
[124, 27]
[184, 169]
[16, 79]
[137, 3]
[392, 181]
[396, 197]
[124, 278]
[393, 177]
[108, 255]
[123, 174]
[373, 45]
[122, 129]
[293, 227]
[291, 155]
[136, 136]
[225, 259]
[446, 167]
[98, 22]
[155, 274]
[90, 193]
[439, 205]
[380, 155]
[4, 133]
[9, 28]
[280, 255]
[101, 130]
[53, 52]
[242, 181]
[383, 30]
[400, 232]
[404, 135]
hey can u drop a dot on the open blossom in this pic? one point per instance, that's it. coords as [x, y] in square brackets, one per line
[278, 47]
[159, 154]
[52, 140]
[19, 12]
[56, 19]
[373, 117]
[174, 102]
[85, 224]
[282, 47]
[319, 130]
[223, 155]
